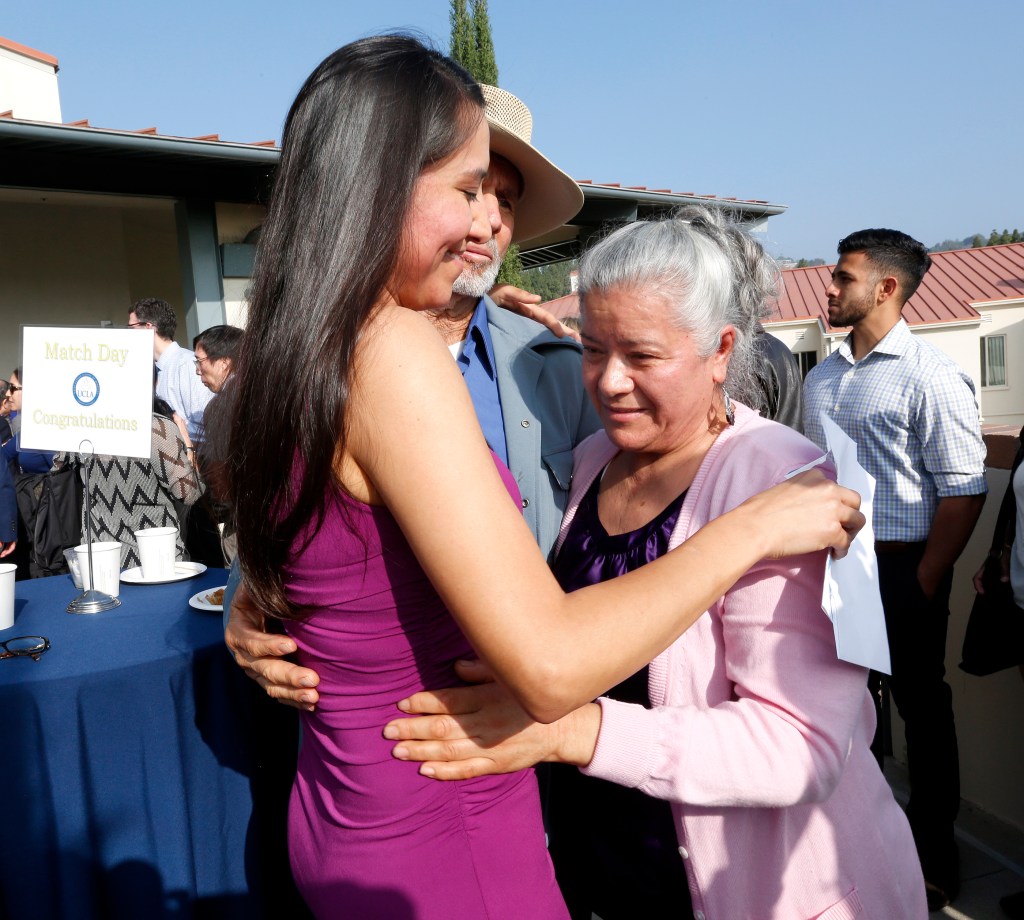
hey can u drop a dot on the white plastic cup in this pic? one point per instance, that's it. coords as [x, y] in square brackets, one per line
[7, 570]
[106, 566]
[157, 549]
[72, 557]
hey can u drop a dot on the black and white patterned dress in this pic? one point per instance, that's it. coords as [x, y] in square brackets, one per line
[129, 493]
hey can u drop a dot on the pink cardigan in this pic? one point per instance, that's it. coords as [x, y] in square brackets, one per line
[759, 735]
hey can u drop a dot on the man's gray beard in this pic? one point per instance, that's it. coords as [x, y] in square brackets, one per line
[475, 282]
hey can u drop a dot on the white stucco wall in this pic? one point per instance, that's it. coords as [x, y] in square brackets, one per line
[28, 87]
[1005, 405]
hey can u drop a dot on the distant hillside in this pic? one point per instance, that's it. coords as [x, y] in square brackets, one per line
[995, 238]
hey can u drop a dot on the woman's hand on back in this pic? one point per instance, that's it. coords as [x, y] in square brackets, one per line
[261, 655]
[462, 732]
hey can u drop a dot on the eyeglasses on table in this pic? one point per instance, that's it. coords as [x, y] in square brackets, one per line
[25, 647]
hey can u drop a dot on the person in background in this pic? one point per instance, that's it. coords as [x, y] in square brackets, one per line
[130, 493]
[913, 414]
[210, 537]
[778, 377]
[22, 460]
[25, 465]
[5, 412]
[8, 512]
[216, 350]
[8, 502]
[177, 382]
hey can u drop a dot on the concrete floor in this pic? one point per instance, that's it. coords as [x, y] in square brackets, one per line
[991, 866]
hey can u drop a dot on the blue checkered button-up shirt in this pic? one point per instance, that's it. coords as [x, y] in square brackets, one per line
[914, 417]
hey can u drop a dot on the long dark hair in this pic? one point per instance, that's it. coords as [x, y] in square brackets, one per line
[366, 123]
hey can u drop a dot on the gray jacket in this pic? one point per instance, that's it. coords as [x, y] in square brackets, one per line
[546, 413]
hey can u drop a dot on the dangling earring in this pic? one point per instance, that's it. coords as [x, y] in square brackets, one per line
[730, 413]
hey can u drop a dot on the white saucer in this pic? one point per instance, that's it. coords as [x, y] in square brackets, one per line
[199, 601]
[182, 571]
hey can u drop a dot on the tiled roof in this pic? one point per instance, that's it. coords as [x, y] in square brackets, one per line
[955, 281]
[561, 307]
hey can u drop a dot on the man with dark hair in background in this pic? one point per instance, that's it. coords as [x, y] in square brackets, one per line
[216, 350]
[211, 531]
[177, 382]
[914, 416]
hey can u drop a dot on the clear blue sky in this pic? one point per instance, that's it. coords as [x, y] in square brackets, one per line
[903, 113]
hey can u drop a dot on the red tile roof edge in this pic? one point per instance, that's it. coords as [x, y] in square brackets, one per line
[40, 56]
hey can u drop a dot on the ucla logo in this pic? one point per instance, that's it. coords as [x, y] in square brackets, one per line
[86, 389]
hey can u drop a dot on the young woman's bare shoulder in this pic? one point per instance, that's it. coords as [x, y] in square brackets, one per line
[394, 330]
[399, 349]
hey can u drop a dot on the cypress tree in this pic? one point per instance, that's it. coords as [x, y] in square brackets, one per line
[463, 37]
[486, 66]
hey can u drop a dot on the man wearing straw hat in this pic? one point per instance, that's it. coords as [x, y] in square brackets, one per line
[525, 382]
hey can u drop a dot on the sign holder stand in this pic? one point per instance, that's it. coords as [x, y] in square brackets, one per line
[91, 600]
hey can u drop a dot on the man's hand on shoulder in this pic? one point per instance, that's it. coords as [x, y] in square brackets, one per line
[261, 655]
[526, 304]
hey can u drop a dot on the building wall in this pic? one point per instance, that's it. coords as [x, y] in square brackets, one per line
[28, 87]
[66, 261]
[802, 336]
[1005, 405]
[234, 223]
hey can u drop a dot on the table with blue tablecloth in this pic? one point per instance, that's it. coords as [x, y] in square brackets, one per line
[133, 753]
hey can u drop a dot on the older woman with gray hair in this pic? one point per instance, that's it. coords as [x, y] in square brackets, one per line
[732, 777]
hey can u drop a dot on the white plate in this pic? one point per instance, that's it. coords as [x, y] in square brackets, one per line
[199, 601]
[182, 570]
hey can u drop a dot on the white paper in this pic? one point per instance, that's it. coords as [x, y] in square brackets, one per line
[851, 598]
[88, 384]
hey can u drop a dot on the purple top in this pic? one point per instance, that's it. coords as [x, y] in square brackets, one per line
[590, 555]
[625, 860]
[368, 836]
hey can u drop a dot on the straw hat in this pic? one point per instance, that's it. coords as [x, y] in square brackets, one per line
[550, 197]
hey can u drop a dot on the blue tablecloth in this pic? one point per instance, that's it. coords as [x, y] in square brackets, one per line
[132, 753]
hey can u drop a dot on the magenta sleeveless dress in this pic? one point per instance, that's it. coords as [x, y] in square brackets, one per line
[368, 836]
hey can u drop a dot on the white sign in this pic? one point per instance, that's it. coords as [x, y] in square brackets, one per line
[87, 384]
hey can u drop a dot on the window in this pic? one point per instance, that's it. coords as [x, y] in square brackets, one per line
[993, 360]
[806, 360]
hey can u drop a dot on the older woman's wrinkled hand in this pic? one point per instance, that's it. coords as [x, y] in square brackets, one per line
[462, 732]
[261, 655]
[805, 514]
